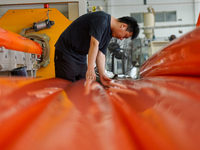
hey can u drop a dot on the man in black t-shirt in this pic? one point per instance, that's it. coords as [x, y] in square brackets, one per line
[89, 34]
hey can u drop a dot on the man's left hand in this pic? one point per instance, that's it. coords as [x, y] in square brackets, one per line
[105, 80]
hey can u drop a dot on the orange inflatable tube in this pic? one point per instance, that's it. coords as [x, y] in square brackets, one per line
[148, 114]
[179, 57]
[14, 41]
[198, 21]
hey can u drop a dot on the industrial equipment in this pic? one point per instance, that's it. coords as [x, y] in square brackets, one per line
[123, 56]
[150, 37]
[42, 26]
[149, 21]
[25, 52]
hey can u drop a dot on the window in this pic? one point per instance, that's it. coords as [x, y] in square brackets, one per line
[159, 17]
[171, 16]
[165, 16]
[138, 17]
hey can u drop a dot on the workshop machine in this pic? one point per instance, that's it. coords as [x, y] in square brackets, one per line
[43, 26]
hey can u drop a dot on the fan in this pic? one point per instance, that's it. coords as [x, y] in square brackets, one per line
[123, 55]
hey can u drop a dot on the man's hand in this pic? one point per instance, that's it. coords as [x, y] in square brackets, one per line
[90, 77]
[105, 80]
[90, 74]
[92, 55]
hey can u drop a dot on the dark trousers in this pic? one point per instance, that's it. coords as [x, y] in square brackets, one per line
[67, 68]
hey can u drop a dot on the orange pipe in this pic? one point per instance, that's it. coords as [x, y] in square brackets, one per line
[14, 41]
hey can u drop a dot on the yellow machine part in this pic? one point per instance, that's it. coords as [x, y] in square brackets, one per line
[16, 20]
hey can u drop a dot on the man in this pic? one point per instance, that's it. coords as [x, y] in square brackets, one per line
[90, 34]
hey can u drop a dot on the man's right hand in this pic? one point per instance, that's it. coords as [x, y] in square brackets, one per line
[90, 74]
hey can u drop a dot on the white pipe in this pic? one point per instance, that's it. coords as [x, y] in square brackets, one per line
[169, 26]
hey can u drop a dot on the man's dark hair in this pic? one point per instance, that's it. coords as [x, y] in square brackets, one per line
[132, 25]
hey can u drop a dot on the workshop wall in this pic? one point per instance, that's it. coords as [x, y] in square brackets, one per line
[187, 12]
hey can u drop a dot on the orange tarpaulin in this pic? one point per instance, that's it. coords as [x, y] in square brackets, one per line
[151, 113]
[180, 57]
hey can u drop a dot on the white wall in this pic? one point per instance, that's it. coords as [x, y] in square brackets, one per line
[187, 11]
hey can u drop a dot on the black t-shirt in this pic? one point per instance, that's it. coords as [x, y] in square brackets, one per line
[75, 40]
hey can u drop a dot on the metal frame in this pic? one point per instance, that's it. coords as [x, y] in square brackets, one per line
[82, 3]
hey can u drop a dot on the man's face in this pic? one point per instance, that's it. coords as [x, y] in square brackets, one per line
[121, 33]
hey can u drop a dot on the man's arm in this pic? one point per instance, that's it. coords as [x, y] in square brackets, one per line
[101, 68]
[92, 55]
